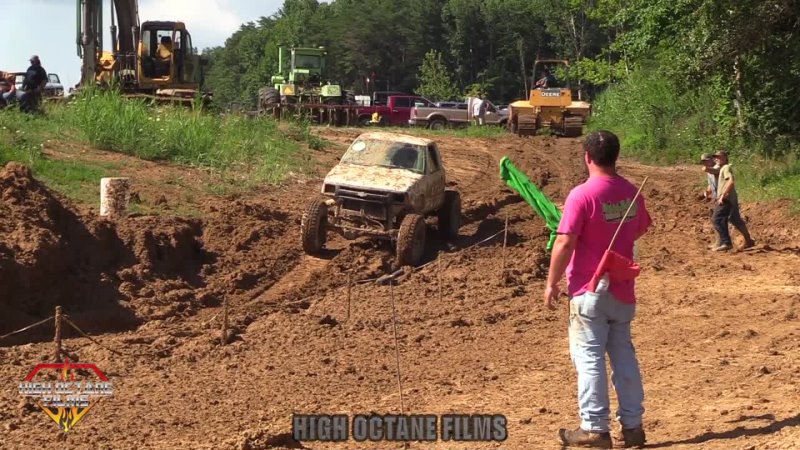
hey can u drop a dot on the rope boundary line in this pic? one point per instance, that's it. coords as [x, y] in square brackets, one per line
[33, 325]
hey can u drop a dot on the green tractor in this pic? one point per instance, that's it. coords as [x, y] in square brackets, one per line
[301, 82]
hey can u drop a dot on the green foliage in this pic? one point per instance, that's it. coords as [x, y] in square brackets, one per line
[675, 77]
[435, 81]
[243, 144]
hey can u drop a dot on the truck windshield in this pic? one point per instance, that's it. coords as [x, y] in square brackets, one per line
[307, 61]
[399, 155]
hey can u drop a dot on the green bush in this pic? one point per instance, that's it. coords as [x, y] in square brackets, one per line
[658, 123]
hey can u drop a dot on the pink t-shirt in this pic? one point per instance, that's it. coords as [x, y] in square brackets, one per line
[593, 211]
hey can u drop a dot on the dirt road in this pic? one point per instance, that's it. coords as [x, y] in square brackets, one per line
[718, 336]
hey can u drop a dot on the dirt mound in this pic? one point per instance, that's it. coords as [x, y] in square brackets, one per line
[111, 276]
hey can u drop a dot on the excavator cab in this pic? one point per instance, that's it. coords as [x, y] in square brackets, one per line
[155, 58]
[166, 56]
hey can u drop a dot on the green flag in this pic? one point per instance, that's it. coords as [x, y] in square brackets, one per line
[520, 182]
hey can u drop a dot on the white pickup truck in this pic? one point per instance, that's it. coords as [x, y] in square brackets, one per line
[439, 118]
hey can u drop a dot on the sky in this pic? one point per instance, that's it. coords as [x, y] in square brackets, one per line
[47, 28]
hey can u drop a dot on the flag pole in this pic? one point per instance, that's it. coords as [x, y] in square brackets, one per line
[625, 217]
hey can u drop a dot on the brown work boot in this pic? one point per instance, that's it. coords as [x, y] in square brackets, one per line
[580, 438]
[633, 437]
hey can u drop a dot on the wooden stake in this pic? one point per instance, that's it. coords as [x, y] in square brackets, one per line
[397, 349]
[349, 290]
[224, 330]
[57, 338]
[439, 276]
[505, 242]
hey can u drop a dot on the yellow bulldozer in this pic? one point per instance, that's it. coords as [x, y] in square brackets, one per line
[549, 104]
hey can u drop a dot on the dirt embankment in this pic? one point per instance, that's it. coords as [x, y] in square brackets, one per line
[112, 276]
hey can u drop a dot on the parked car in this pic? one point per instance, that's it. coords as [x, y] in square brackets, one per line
[437, 118]
[396, 112]
[52, 89]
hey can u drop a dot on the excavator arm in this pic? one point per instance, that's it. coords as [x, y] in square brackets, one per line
[90, 32]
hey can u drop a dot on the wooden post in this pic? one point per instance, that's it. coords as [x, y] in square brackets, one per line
[57, 338]
[505, 242]
[115, 194]
[349, 290]
[439, 276]
[224, 329]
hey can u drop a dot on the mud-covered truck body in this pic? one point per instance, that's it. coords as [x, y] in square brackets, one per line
[437, 118]
[384, 187]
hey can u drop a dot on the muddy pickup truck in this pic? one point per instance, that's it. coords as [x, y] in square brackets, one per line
[437, 118]
[384, 187]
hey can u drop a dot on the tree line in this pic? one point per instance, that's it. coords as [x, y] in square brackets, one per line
[714, 69]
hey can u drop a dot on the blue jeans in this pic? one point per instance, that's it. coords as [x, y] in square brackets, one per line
[728, 212]
[600, 324]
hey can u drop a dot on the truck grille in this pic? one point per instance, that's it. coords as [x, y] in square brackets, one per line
[373, 204]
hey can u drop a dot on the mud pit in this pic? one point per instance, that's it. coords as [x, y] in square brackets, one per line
[718, 337]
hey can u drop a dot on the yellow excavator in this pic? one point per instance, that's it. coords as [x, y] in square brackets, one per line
[154, 59]
[549, 104]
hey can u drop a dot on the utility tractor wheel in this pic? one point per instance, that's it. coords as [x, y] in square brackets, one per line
[437, 124]
[450, 215]
[411, 240]
[314, 226]
[268, 97]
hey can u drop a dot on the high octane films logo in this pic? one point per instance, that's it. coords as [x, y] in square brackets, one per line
[67, 399]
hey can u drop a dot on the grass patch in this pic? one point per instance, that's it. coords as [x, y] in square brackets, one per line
[23, 139]
[258, 147]
[241, 152]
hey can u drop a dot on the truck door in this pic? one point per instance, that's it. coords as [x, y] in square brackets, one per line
[400, 110]
[435, 182]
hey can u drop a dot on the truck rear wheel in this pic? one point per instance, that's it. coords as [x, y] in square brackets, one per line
[314, 227]
[437, 124]
[411, 240]
[450, 215]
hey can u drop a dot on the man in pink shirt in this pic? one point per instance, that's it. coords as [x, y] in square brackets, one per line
[600, 321]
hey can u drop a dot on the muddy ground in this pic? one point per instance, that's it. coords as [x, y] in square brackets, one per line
[718, 336]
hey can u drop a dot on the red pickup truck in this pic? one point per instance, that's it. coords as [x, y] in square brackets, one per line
[396, 111]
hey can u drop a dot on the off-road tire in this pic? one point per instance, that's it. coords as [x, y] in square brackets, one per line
[313, 227]
[450, 215]
[411, 240]
[437, 124]
[268, 96]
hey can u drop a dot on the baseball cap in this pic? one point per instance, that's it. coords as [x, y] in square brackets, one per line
[721, 153]
[34, 58]
[706, 157]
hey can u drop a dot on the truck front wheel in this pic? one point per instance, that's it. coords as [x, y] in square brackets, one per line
[314, 226]
[411, 240]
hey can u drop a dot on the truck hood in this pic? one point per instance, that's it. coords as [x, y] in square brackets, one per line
[372, 177]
